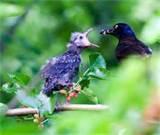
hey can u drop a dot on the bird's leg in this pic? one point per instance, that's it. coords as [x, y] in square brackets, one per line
[70, 91]
[73, 92]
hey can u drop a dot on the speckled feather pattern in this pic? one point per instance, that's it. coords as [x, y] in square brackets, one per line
[60, 71]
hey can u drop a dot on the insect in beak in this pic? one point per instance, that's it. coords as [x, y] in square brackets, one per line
[106, 31]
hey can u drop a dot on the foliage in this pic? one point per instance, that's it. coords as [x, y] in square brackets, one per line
[31, 31]
[45, 104]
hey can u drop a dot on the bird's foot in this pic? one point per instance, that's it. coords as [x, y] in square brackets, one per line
[74, 93]
[71, 95]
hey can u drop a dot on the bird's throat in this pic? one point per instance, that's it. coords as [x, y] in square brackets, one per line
[75, 49]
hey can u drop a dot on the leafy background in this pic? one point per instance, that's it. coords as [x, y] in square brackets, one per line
[32, 31]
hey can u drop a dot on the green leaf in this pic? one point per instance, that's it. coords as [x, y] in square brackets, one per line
[20, 78]
[27, 100]
[10, 87]
[52, 103]
[97, 73]
[10, 10]
[96, 70]
[3, 108]
[47, 104]
[97, 61]
[91, 96]
[43, 103]
[16, 82]
[60, 98]
[84, 83]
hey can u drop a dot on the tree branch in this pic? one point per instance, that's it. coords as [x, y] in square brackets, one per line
[66, 107]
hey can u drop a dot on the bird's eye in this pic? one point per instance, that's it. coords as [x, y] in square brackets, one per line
[116, 26]
[80, 37]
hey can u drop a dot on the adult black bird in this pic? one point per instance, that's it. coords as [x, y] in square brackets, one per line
[128, 43]
[61, 71]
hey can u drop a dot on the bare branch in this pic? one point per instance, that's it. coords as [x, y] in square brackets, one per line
[21, 111]
[65, 107]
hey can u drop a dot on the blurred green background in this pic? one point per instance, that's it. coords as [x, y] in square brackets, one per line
[32, 31]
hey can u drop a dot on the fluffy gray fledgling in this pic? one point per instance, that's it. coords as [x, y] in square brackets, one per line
[60, 71]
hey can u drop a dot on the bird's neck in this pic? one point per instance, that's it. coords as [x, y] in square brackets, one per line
[74, 49]
[127, 38]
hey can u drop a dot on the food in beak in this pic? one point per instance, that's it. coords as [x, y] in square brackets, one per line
[103, 32]
[106, 31]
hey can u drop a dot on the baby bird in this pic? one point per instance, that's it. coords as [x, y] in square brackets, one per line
[60, 72]
[128, 43]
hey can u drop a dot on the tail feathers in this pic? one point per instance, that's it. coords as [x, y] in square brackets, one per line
[47, 91]
[149, 51]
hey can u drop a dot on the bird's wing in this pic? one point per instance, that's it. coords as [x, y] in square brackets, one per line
[147, 50]
[129, 48]
[47, 66]
[60, 67]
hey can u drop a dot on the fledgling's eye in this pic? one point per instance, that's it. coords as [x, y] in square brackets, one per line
[116, 26]
[81, 37]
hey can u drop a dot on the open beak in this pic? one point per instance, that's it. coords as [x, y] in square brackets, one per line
[88, 31]
[106, 31]
[94, 45]
[90, 44]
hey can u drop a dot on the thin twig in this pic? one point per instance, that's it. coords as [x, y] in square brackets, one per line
[66, 107]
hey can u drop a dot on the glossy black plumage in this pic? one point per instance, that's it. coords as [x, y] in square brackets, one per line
[60, 72]
[128, 43]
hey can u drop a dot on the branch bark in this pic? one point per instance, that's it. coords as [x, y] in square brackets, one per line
[65, 107]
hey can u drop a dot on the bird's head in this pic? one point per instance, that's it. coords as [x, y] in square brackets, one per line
[80, 40]
[119, 30]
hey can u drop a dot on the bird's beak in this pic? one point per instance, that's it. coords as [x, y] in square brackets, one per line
[106, 31]
[90, 44]
[88, 31]
[94, 45]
